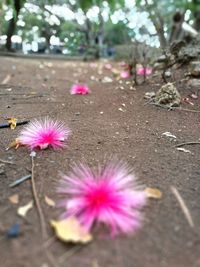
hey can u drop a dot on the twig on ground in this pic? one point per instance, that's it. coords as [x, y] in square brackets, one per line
[19, 181]
[49, 241]
[7, 125]
[50, 257]
[35, 116]
[7, 162]
[173, 108]
[37, 202]
[69, 253]
[184, 208]
[161, 106]
[148, 102]
[189, 110]
[188, 143]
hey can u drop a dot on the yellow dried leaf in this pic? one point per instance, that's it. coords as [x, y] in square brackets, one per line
[95, 264]
[14, 199]
[70, 230]
[49, 201]
[22, 211]
[12, 122]
[14, 144]
[153, 193]
[6, 79]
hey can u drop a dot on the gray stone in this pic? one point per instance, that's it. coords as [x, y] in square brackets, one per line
[168, 74]
[194, 83]
[195, 68]
[190, 51]
[2, 171]
[159, 66]
[162, 58]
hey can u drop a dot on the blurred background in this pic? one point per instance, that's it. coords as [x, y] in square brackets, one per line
[94, 28]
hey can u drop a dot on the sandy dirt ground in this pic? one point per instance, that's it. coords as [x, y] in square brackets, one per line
[112, 120]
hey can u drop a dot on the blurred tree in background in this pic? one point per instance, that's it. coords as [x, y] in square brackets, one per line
[95, 25]
[168, 17]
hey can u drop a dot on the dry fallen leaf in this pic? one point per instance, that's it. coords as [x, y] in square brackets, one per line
[153, 193]
[168, 134]
[22, 211]
[14, 199]
[49, 201]
[6, 79]
[70, 230]
[120, 109]
[95, 264]
[14, 144]
[12, 122]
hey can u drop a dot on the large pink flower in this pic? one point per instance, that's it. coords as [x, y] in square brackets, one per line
[142, 71]
[43, 133]
[110, 196]
[79, 89]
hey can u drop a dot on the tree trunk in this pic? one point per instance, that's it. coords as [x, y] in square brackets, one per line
[101, 34]
[161, 36]
[196, 14]
[177, 32]
[158, 24]
[197, 20]
[88, 32]
[12, 24]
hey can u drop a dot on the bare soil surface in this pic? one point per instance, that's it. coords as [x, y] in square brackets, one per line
[112, 120]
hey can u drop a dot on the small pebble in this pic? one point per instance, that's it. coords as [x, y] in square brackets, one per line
[2, 171]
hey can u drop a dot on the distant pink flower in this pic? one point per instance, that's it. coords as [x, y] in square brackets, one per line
[108, 66]
[93, 65]
[123, 64]
[44, 133]
[79, 89]
[141, 71]
[125, 74]
[110, 196]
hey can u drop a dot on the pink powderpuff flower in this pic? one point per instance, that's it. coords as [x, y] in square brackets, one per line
[125, 74]
[141, 71]
[44, 133]
[79, 89]
[110, 196]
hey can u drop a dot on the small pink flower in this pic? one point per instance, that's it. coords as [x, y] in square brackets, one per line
[108, 66]
[110, 196]
[123, 64]
[141, 71]
[93, 65]
[125, 74]
[44, 133]
[79, 89]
